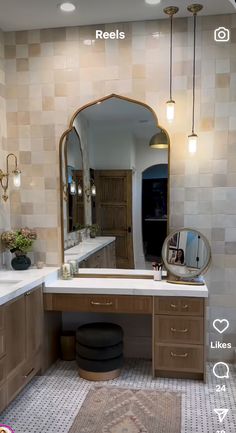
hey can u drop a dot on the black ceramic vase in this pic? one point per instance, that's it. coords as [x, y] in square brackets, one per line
[21, 262]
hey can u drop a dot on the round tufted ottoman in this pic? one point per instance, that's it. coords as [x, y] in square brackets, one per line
[99, 350]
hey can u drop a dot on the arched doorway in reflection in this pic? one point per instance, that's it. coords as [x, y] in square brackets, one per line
[154, 211]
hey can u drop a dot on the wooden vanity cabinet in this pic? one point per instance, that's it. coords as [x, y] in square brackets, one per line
[178, 331]
[103, 258]
[23, 327]
[3, 394]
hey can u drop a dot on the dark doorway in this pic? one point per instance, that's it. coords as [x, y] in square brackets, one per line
[154, 210]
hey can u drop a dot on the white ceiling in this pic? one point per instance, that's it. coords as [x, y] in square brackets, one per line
[37, 14]
[117, 110]
[116, 113]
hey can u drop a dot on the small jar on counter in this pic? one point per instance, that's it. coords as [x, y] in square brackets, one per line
[66, 271]
[74, 268]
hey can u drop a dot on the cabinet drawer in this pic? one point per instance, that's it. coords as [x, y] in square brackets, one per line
[184, 358]
[2, 370]
[23, 375]
[2, 343]
[102, 304]
[3, 397]
[176, 329]
[179, 306]
[2, 321]
[98, 303]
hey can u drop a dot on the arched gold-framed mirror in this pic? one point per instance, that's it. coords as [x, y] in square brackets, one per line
[116, 134]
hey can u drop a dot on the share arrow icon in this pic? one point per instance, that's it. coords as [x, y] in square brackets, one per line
[221, 413]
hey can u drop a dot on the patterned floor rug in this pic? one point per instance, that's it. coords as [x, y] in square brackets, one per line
[119, 410]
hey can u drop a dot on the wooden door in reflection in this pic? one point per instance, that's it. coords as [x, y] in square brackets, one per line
[114, 211]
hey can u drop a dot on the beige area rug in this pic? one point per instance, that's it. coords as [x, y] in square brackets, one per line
[119, 410]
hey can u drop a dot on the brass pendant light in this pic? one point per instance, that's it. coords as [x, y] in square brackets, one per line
[160, 140]
[192, 138]
[170, 105]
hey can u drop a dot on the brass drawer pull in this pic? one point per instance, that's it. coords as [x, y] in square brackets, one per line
[175, 355]
[28, 374]
[182, 331]
[104, 304]
[173, 306]
[185, 307]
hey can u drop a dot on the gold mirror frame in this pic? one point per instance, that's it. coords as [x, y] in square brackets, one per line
[188, 278]
[71, 126]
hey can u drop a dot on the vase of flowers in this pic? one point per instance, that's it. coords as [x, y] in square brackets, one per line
[93, 230]
[19, 242]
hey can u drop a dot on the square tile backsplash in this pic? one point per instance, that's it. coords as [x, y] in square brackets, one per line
[51, 73]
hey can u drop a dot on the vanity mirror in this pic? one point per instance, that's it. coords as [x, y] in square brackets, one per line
[72, 202]
[186, 255]
[125, 155]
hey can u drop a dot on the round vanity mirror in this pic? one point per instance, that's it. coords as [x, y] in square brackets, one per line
[186, 254]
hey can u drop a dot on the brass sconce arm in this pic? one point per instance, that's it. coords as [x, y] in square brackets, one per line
[4, 176]
[90, 191]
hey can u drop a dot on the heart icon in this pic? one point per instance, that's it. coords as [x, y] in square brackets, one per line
[221, 325]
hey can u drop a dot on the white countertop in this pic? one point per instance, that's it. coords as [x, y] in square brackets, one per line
[89, 246]
[16, 283]
[125, 286]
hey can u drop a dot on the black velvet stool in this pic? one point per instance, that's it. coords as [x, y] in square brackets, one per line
[99, 350]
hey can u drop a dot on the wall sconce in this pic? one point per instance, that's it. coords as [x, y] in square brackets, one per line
[192, 138]
[4, 177]
[76, 189]
[79, 189]
[170, 105]
[90, 191]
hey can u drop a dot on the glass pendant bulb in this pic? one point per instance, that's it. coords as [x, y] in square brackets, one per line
[73, 188]
[17, 178]
[170, 111]
[93, 190]
[192, 143]
[80, 191]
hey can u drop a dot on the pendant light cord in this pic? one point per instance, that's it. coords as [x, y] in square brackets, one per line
[171, 54]
[194, 71]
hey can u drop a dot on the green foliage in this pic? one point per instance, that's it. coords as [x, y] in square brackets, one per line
[19, 240]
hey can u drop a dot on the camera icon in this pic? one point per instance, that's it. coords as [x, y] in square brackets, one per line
[222, 34]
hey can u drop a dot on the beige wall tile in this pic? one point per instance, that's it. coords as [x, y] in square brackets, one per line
[52, 72]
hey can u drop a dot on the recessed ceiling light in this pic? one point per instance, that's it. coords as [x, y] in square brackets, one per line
[67, 7]
[152, 2]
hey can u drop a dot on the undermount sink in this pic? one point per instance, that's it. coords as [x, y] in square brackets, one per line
[5, 284]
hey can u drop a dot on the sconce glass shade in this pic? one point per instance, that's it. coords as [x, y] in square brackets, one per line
[93, 190]
[192, 143]
[73, 188]
[17, 178]
[170, 110]
[80, 190]
[159, 140]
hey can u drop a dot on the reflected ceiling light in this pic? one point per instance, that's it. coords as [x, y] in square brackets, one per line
[156, 35]
[192, 138]
[152, 2]
[67, 7]
[160, 140]
[4, 176]
[170, 105]
[89, 41]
